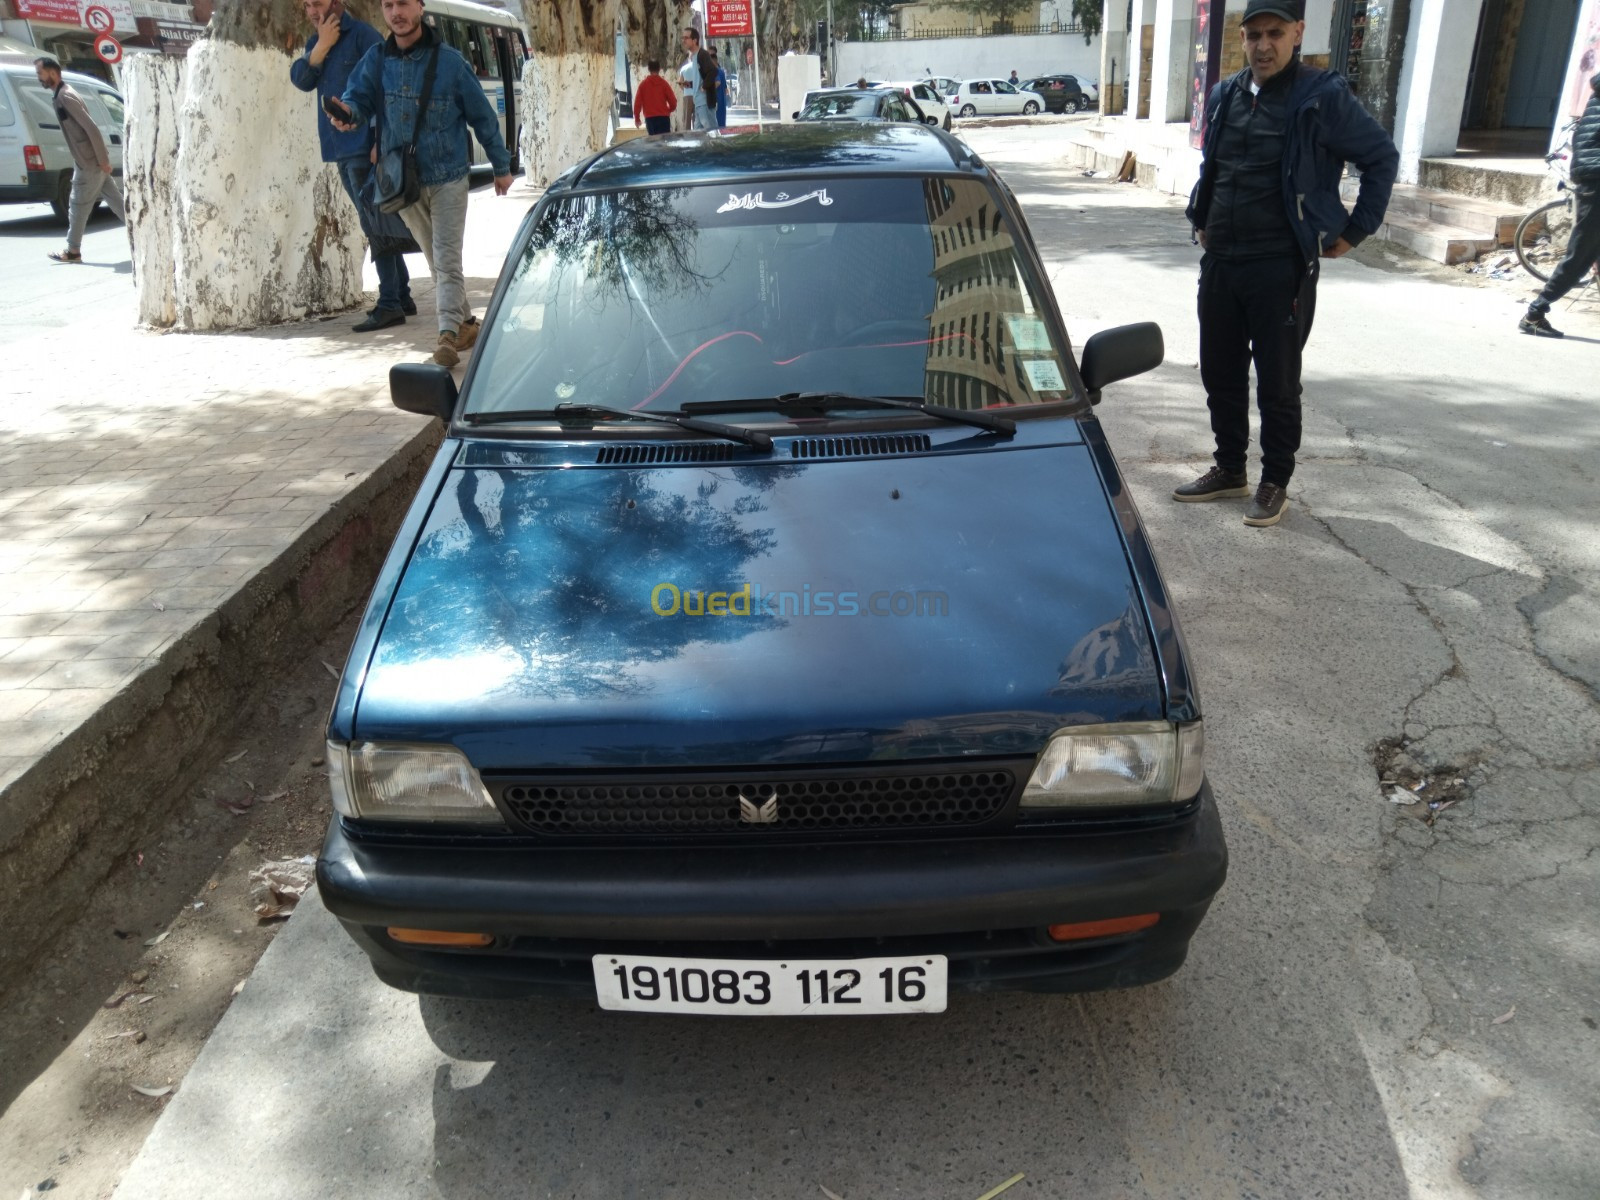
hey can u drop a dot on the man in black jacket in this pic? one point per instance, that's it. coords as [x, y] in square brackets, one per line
[1265, 208]
[1583, 249]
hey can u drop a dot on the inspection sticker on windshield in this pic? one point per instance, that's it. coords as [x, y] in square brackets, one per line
[1028, 334]
[1045, 375]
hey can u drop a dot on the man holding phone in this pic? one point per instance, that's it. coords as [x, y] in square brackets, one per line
[395, 73]
[337, 44]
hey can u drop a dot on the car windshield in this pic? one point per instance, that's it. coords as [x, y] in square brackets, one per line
[841, 104]
[656, 298]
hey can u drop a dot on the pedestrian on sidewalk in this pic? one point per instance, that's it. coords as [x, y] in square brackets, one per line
[700, 80]
[389, 83]
[337, 44]
[92, 180]
[1583, 249]
[1266, 205]
[722, 91]
[655, 101]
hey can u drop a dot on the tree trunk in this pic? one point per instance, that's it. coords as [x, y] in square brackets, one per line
[236, 220]
[568, 83]
[778, 18]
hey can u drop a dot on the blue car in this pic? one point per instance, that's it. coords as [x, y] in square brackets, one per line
[773, 633]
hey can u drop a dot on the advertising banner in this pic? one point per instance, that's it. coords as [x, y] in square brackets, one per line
[1208, 25]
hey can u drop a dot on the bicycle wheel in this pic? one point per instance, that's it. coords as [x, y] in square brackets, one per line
[1542, 237]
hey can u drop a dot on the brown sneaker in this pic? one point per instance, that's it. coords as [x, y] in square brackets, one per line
[467, 336]
[1268, 505]
[446, 355]
[1215, 484]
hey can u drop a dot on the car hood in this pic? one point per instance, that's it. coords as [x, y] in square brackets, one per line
[541, 622]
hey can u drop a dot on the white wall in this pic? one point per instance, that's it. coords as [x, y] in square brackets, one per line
[972, 58]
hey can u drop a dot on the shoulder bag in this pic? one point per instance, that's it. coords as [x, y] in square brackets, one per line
[397, 181]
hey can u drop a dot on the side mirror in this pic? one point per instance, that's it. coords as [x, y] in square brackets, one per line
[930, 120]
[426, 389]
[1120, 353]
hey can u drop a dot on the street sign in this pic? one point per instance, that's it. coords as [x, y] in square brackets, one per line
[729, 18]
[107, 49]
[98, 18]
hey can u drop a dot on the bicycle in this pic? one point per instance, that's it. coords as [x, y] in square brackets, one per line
[1542, 236]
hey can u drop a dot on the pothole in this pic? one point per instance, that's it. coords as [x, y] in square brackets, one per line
[1423, 793]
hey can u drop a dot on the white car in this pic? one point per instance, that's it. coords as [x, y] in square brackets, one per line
[943, 84]
[35, 164]
[993, 97]
[928, 99]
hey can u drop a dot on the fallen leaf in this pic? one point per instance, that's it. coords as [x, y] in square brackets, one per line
[144, 999]
[238, 987]
[155, 1092]
[831, 1195]
[1010, 1183]
[158, 939]
[233, 758]
[116, 1001]
[1505, 1016]
[330, 669]
[136, 1034]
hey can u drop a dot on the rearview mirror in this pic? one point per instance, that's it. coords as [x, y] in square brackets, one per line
[930, 120]
[426, 389]
[1120, 353]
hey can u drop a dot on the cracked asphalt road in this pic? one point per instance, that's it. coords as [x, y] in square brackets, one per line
[1342, 1026]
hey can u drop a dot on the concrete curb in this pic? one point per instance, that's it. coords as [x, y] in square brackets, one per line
[65, 821]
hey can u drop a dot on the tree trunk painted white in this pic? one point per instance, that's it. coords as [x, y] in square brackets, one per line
[258, 228]
[154, 92]
[568, 118]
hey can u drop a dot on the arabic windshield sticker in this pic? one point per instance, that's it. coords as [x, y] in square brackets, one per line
[1028, 334]
[1044, 375]
[779, 200]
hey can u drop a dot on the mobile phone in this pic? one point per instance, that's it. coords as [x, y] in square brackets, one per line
[336, 109]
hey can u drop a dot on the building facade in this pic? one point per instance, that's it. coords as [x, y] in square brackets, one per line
[1493, 78]
[61, 28]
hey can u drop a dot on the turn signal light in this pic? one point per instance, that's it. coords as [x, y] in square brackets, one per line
[33, 157]
[1093, 929]
[439, 937]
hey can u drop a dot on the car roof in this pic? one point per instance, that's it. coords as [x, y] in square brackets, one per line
[802, 148]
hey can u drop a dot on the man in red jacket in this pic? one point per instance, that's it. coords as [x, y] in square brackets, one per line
[655, 101]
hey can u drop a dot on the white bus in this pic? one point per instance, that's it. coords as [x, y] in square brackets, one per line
[495, 45]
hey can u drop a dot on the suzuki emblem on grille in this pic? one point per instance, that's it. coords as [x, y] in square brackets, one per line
[752, 814]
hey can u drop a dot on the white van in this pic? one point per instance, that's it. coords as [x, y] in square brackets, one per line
[493, 42]
[35, 164]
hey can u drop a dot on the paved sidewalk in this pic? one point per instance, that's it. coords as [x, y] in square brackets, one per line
[148, 479]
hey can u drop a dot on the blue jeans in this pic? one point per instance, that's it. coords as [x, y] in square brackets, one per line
[394, 281]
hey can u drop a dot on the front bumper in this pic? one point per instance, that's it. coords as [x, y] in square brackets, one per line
[983, 902]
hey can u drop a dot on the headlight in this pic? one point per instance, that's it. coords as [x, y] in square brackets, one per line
[376, 782]
[1105, 766]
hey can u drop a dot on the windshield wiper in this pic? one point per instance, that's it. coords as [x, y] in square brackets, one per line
[733, 433]
[821, 402]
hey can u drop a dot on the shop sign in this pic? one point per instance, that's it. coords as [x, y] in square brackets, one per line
[729, 18]
[176, 39]
[75, 12]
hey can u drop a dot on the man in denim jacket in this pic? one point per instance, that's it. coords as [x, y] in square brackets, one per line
[1265, 210]
[331, 55]
[438, 220]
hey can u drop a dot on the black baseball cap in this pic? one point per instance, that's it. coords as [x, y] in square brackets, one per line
[1289, 10]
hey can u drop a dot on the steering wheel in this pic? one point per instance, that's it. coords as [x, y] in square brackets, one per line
[907, 329]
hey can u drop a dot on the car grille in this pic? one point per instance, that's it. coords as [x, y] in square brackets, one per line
[756, 803]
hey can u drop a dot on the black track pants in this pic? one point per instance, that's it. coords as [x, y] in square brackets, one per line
[1583, 251]
[1256, 309]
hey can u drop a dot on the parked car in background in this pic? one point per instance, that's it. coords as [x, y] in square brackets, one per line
[774, 633]
[928, 100]
[993, 97]
[1062, 93]
[881, 103]
[35, 164]
[943, 84]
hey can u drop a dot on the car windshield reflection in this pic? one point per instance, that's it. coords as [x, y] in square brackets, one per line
[659, 297]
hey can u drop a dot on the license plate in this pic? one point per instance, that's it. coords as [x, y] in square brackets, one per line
[842, 987]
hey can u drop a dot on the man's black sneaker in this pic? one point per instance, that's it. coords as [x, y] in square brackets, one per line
[380, 318]
[1215, 484]
[409, 307]
[1539, 326]
[1268, 505]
